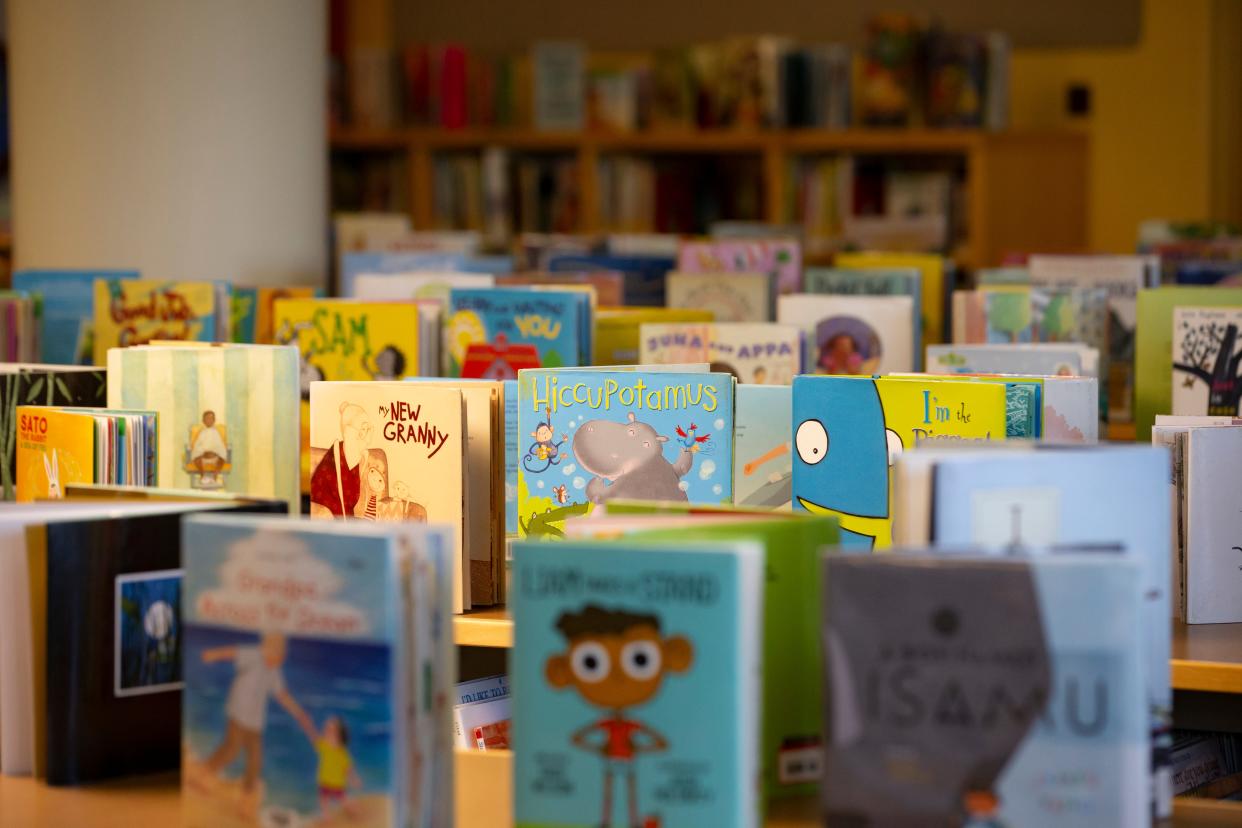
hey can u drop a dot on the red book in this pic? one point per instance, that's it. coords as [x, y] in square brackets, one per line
[416, 66]
[454, 110]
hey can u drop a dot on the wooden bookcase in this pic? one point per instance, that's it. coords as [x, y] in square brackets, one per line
[1025, 190]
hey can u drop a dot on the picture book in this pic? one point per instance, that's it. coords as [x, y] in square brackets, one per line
[1011, 314]
[898, 281]
[1056, 637]
[643, 274]
[1206, 375]
[936, 283]
[780, 257]
[609, 285]
[484, 724]
[59, 446]
[396, 451]
[512, 452]
[33, 384]
[67, 299]
[493, 333]
[593, 436]
[1023, 399]
[1154, 351]
[636, 694]
[763, 446]
[848, 432]
[618, 331]
[355, 263]
[1038, 359]
[254, 310]
[357, 232]
[225, 414]
[852, 334]
[317, 662]
[731, 297]
[19, 326]
[136, 311]
[1213, 575]
[377, 287]
[753, 352]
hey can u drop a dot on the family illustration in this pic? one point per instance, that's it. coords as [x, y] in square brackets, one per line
[351, 481]
[258, 678]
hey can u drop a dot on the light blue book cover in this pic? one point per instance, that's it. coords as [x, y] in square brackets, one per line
[901, 281]
[636, 684]
[592, 436]
[353, 264]
[492, 333]
[762, 454]
[1042, 360]
[985, 692]
[495, 265]
[1106, 494]
[512, 452]
[67, 299]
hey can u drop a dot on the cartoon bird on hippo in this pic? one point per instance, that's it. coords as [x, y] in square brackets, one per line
[627, 461]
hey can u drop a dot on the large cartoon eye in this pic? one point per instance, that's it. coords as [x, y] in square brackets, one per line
[641, 660]
[812, 441]
[589, 662]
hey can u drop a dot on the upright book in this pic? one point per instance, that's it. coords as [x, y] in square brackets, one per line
[763, 446]
[897, 281]
[731, 297]
[1207, 361]
[60, 446]
[935, 282]
[780, 257]
[494, 333]
[852, 334]
[755, 352]
[1212, 526]
[253, 310]
[67, 297]
[135, 311]
[618, 338]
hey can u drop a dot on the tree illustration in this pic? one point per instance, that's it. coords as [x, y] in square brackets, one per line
[1059, 319]
[1009, 313]
[1208, 353]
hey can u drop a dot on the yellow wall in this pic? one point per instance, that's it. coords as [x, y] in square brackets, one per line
[1150, 119]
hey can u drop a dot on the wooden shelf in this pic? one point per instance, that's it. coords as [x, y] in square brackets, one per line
[1207, 657]
[483, 628]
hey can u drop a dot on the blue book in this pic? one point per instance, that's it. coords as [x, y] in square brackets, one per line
[644, 275]
[353, 264]
[963, 690]
[492, 333]
[68, 308]
[1034, 359]
[591, 436]
[762, 453]
[318, 661]
[495, 265]
[636, 694]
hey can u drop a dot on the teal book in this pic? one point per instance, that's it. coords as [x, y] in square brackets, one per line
[636, 691]
[492, 333]
[762, 450]
[592, 436]
[964, 690]
[898, 281]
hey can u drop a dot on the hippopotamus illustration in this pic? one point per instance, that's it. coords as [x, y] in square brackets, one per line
[630, 456]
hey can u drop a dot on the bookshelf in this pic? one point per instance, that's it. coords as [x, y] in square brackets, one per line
[1007, 209]
[1207, 657]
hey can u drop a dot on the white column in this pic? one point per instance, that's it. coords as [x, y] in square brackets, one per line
[184, 138]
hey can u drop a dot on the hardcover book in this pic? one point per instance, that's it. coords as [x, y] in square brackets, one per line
[596, 435]
[634, 705]
[898, 281]
[254, 311]
[936, 278]
[852, 334]
[753, 352]
[1212, 526]
[135, 311]
[763, 446]
[66, 335]
[1207, 379]
[60, 446]
[618, 337]
[780, 257]
[609, 286]
[731, 297]
[1037, 359]
[493, 333]
[386, 287]
[355, 263]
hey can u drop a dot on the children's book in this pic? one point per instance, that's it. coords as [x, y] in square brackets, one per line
[1206, 375]
[1037, 359]
[963, 690]
[849, 431]
[354, 264]
[856, 335]
[386, 287]
[1023, 400]
[364, 231]
[318, 672]
[60, 446]
[226, 414]
[753, 352]
[643, 274]
[902, 281]
[618, 336]
[593, 436]
[254, 310]
[780, 257]
[636, 695]
[1213, 523]
[19, 326]
[136, 311]
[512, 452]
[67, 303]
[731, 297]
[936, 282]
[609, 285]
[763, 446]
[493, 333]
[483, 724]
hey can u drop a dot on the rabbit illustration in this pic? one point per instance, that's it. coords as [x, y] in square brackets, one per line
[53, 476]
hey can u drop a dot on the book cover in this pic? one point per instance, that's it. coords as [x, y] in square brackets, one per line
[1206, 358]
[618, 337]
[355, 263]
[753, 352]
[253, 310]
[636, 705]
[560, 85]
[848, 432]
[903, 281]
[388, 287]
[780, 257]
[731, 297]
[67, 299]
[136, 311]
[494, 333]
[1213, 558]
[1038, 359]
[852, 334]
[393, 451]
[226, 414]
[763, 443]
[644, 274]
[609, 286]
[936, 278]
[58, 447]
[512, 453]
[596, 436]
[1028, 678]
[1023, 399]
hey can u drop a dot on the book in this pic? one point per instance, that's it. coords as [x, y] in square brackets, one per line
[904, 281]
[753, 352]
[609, 286]
[136, 311]
[486, 716]
[780, 257]
[1211, 559]
[852, 334]
[1023, 399]
[322, 655]
[396, 451]
[19, 326]
[431, 284]
[1035, 358]
[974, 691]
[658, 683]
[643, 274]
[493, 333]
[763, 446]
[731, 297]
[596, 435]
[354, 264]
[483, 689]
[849, 431]
[559, 85]
[512, 453]
[1206, 377]
[936, 283]
[226, 414]
[618, 331]
[67, 299]
[60, 446]
[253, 310]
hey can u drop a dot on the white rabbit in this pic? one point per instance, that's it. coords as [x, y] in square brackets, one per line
[53, 476]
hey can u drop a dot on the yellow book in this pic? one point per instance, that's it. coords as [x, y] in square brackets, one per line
[57, 447]
[617, 330]
[340, 340]
[136, 311]
[932, 271]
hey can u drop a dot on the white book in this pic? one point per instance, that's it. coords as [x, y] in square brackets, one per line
[483, 689]
[731, 297]
[416, 285]
[852, 334]
[1213, 526]
[466, 717]
[1207, 355]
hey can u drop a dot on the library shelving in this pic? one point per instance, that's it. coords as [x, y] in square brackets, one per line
[1207, 658]
[1024, 189]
